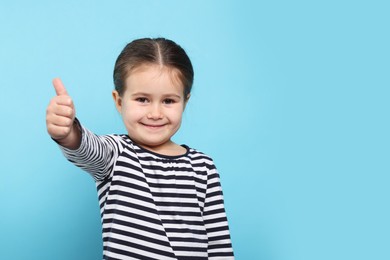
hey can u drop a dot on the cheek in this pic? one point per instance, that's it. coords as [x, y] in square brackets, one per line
[135, 115]
[176, 116]
[131, 113]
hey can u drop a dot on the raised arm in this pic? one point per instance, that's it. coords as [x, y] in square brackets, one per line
[60, 117]
[94, 154]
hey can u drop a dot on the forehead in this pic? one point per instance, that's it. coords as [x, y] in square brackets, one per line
[154, 78]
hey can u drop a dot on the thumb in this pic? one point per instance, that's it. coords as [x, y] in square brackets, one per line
[59, 87]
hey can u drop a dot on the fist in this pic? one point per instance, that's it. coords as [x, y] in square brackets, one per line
[60, 113]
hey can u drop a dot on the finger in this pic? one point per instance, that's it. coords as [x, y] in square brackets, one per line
[62, 100]
[65, 111]
[59, 121]
[58, 132]
[59, 87]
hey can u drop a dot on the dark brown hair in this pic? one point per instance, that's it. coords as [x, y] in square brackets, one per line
[159, 51]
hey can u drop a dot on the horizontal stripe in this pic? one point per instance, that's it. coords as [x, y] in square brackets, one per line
[155, 207]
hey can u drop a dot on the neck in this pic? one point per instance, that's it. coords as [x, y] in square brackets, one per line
[169, 149]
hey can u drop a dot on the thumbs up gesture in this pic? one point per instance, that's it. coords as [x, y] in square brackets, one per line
[60, 115]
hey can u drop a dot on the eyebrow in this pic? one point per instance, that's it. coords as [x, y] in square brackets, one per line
[148, 95]
[140, 94]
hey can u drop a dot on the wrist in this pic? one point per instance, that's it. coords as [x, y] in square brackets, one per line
[73, 139]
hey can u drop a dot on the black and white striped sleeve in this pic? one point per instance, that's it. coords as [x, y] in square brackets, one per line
[96, 154]
[214, 215]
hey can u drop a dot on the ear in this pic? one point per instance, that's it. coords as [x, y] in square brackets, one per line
[117, 101]
[186, 100]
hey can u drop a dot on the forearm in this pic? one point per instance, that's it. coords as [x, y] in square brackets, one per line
[94, 154]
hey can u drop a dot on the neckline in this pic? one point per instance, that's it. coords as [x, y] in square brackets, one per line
[162, 155]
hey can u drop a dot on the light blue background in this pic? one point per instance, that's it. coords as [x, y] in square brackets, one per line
[291, 99]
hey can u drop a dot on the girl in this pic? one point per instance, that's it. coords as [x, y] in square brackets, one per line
[158, 200]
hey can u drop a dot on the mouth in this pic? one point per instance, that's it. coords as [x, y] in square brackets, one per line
[152, 126]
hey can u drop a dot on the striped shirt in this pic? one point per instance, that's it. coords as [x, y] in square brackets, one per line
[155, 206]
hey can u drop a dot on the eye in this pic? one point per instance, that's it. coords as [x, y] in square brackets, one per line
[141, 100]
[169, 101]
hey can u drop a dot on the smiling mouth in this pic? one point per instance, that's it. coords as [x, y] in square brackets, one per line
[152, 126]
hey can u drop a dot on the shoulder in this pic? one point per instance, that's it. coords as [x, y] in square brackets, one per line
[121, 140]
[200, 158]
[195, 153]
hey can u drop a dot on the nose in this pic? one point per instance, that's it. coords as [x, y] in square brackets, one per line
[154, 112]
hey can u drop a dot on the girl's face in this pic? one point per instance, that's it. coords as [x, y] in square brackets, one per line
[152, 106]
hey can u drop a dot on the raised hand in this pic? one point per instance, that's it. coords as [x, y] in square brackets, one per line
[60, 115]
